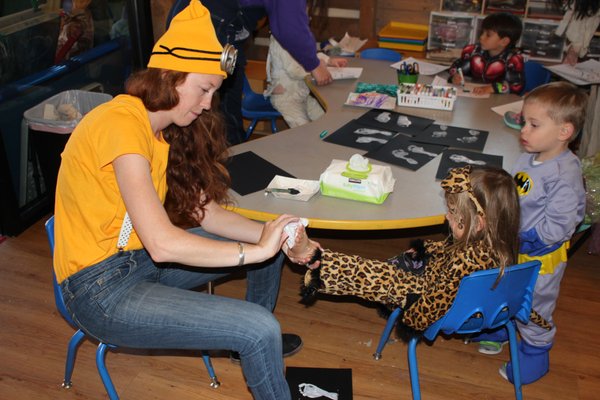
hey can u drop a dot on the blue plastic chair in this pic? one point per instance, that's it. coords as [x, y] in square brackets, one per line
[78, 337]
[378, 53]
[479, 306]
[255, 107]
[535, 75]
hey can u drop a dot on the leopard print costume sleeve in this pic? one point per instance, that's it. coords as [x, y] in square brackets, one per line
[373, 280]
[383, 282]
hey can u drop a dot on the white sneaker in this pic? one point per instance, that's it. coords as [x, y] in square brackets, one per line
[502, 371]
[490, 348]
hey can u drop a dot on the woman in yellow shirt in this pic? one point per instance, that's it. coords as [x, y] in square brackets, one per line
[123, 260]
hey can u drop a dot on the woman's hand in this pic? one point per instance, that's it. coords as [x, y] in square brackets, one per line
[571, 57]
[273, 237]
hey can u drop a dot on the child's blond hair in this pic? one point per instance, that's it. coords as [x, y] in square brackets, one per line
[564, 103]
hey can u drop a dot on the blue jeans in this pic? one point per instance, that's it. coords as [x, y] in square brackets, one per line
[128, 300]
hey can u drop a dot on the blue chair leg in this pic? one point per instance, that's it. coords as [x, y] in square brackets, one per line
[514, 358]
[71, 352]
[413, 368]
[100, 364]
[273, 126]
[214, 382]
[251, 128]
[385, 335]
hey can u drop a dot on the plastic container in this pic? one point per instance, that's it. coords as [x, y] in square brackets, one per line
[50, 125]
[407, 78]
[426, 96]
[403, 36]
[61, 113]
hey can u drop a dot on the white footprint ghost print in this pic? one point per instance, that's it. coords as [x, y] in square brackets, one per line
[403, 155]
[370, 131]
[367, 139]
[459, 158]
[420, 150]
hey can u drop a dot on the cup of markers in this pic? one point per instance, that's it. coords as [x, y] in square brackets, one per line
[408, 73]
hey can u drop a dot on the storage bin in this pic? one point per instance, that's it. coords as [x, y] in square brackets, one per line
[76, 102]
[49, 133]
[403, 36]
[426, 96]
[450, 31]
[539, 42]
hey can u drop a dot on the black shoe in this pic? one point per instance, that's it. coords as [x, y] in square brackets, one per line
[234, 357]
[291, 344]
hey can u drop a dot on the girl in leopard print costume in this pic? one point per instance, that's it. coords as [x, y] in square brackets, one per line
[483, 215]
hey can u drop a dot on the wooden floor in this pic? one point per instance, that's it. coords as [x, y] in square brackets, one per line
[337, 333]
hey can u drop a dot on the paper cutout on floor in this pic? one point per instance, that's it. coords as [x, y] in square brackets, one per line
[311, 391]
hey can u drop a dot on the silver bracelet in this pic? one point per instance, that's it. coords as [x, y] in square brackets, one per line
[242, 254]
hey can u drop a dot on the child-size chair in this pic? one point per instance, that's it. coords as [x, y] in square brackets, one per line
[102, 347]
[378, 53]
[479, 305]
[256, 107]
[535, 75]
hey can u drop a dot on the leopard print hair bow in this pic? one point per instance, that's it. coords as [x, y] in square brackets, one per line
[458, 181]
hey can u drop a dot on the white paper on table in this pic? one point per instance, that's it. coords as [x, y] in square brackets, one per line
[439, 81]
[583, 73]
[467, 90]
[345, 72]
[306, 188]
[504, 108]
[469, 86]
[349, 45]
[425, 68]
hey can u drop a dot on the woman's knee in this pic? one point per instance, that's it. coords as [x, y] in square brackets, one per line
[266, 324]
[263, 331]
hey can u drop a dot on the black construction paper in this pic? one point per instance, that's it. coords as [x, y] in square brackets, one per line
[250, 173]
[453, 158]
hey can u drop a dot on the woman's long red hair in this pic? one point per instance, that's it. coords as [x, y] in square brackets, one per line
[196, 172]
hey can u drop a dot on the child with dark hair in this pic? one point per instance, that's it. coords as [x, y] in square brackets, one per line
[495, 59]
